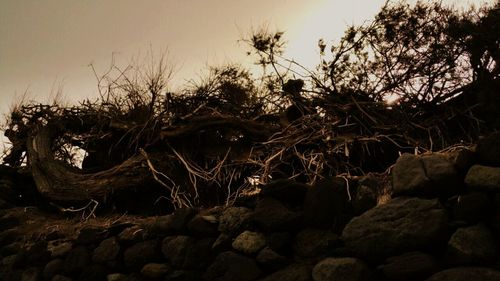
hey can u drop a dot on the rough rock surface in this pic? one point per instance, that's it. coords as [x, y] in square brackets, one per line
[249, 242]
[271, 215]
[409, 266]
[474, 244]
[341, 269]
[401, 225]
[483, 178]
[230, 266]
[466, 274]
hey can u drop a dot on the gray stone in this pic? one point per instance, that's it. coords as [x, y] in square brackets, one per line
[61, 278]
[409, 175]
[310, 242]
[483, 178]
[139, 254]
[76, 260]
[325, 202]
[271, 215]
[116, 277]
[233, 219]
[107, 251]
[249, 242]
[474, 244]
[351, 269]
[229, 266]
[31, 274]
[409, 266]
[488, 150]
[199, 225]
[155, 270]
[466, 274]
[271, 260]
[428, 175]
[402, 225]
[295, 272]
[132, 235]
[175, 249]
[52, 268]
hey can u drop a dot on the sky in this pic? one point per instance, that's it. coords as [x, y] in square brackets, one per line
[46, 46]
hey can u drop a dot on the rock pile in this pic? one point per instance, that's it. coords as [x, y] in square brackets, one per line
[442, 223]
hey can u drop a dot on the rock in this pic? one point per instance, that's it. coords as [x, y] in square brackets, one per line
[141, 253]
[61, 278]
[200, 226]
[155, 270]
[222, 243]
[31, 274]
[8, 222]
[183, 275]
[409, 266]
[175, 249]
[52, 268]
[466, 274]
[95, 272]
[229, 266]
[91, 235]
[271, 260]
[488, 150]
[461, 158]
[107, 251]
[11, 249]
[59, 248]
[311, 243]
[271, 215]
[408, 175]
[483, 178]
[402, 225]
[280, 242]
[288, 192]
[364, 200]
[472, 245]
[9, 236]
[429, 176]
[472, 208]
[116, 277]
[37, 254]
[133, 234]
[175, 223]
[295, 272]
[325, 202]
[76, 260]
[341, 269]
[249, 242]
[234, 219]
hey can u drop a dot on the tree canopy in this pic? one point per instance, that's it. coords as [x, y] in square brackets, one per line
[417, 77]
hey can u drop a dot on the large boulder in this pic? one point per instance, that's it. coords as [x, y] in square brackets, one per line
[428, 175]
[341, 269]
[483, 178]
[107, 251]
[271, 215]
[474, 244]
[409, 266]
[312, 243]
[230, 266]
[325, 203]
[466, 274]
[234, 219]
[402, 225]
[249, 242]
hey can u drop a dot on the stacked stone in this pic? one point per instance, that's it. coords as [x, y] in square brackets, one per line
[442, 222]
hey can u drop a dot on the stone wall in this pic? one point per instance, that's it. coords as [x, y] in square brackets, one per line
[434, 217]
